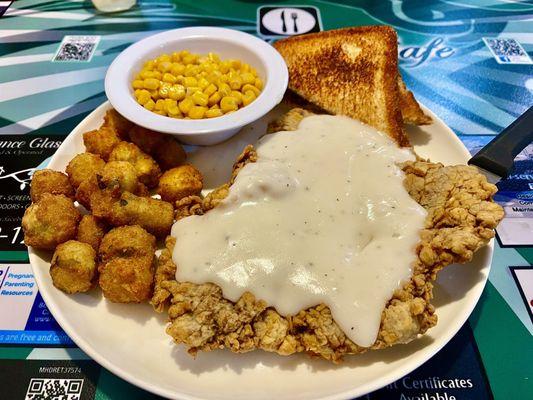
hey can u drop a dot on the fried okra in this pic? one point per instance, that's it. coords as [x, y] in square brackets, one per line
[107, 185]
[50, 221]
[127, 264]
[156, 216]
[180, 182]
[83, 166]
[121, 175]
[91, 230]
[52, 182]
[164, 148]
[101, 141]
[147, 169]
[73, 267]
[117, 123]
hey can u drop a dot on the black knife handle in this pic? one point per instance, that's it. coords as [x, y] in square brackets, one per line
[498, 156]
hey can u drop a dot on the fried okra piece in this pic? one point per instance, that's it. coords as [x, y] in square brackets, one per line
[91, 230]
[180, 182]
[52, 182]
[73, 267]
[147, 169]
[84, 166]
[156, 216]
[50, 221]
[164, 148]
[117, 123]
[115, 178]
[121, 175]
[101, 141]
[127, 264]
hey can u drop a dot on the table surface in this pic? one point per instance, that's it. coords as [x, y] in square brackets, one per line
[467, 61]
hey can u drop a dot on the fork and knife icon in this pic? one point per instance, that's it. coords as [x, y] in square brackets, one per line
[294, 17]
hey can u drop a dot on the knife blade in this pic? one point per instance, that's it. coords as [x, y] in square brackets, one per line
[283, 25]
[496, 159]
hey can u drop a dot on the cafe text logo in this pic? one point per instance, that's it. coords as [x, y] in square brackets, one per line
[414, 56]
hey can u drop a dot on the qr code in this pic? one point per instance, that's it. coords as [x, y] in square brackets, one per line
[77, 48]
[507, 51]
[54, 389]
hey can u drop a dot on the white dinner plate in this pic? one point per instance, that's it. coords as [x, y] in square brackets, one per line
[130, 340]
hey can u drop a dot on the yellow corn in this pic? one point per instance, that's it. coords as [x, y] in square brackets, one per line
[185, 105]
[213, 113]
[197, 112]
[228, 104]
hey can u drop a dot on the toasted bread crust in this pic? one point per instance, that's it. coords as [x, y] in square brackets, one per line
[321, 64]
[411, 111]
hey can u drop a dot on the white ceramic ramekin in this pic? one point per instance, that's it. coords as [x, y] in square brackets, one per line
[226, 43]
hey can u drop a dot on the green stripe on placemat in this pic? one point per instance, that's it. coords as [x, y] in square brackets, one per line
[10, 256]
[15, 353]
[526, 252]
[505, 346]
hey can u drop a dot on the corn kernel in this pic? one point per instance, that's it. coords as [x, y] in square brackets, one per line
[164, 66]
[185, 105]
[144, 97]
[169, 78]
[248, 97]
[247, 78]
[197, 112]
[190, 81]
[258, 83]
[151, 83]
[199, 98]
[213, 113]
[184, 53]
[169, 103]
[149, 105]
[214, 98]
[224, 89]
[155, 94]
[228, 104]
[149, 65]
[235, 83]
[162, 58]
[245, 67]
[177, 69]
[203, 83]
[137, 84]
[235, 64]
[160, 112]
[237, 96]
[210, 89]
[175, 57]
[164, 90]
[157, 75]
[247, 87]
[213, 57]
[253, 71]
[191, 90]
[174, 112]
[146, 74]
[190, 59]
[176, 92]
[160, 104]
[224, 67]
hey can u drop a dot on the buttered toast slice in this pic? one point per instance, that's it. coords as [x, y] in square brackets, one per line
[350, 71]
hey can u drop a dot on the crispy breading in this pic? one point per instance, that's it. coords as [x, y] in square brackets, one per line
[50, 221]
[73, 267]
[52, 182]
[91, 230]
[461, 219]
[126, 264]
[83, 167]
[180, 182]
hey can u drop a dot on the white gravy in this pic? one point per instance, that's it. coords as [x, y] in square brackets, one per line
[321, 217]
